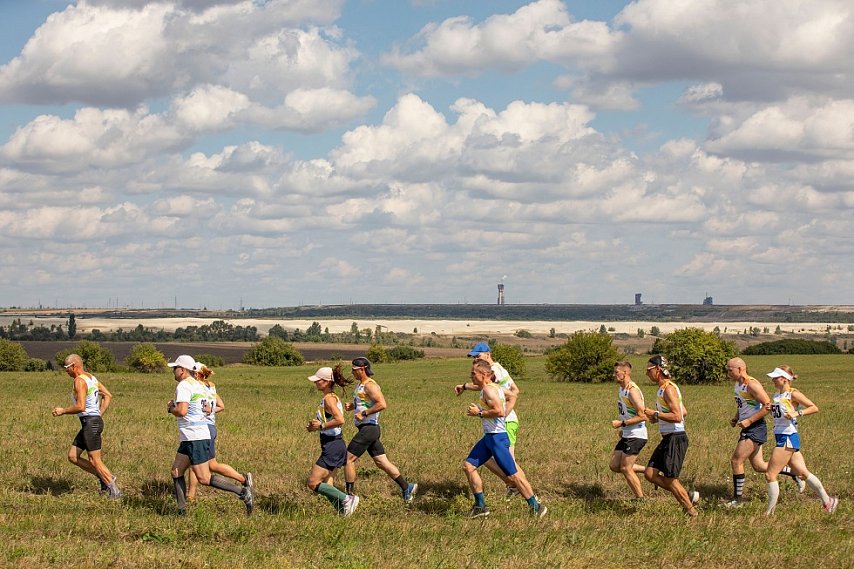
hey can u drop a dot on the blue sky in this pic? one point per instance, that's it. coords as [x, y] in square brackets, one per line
[330, 151]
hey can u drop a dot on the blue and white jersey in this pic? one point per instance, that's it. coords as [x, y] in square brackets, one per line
[781, 404]
[362, 402]
[496, 424]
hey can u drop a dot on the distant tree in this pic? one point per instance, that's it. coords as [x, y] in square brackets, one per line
[655, 331]
[278, 332]
[95, 357]
[552, 332]
[511, 358]
[778, 331]
[210, 360]
[717, 330]
[400, 352]
[314, 330]
[602, 329]
[696, 356]
[72, 326]
[36, 364]
[792, 346]
[377, 354]
[273, 351]
[522, 333]
[641, 333]
[13, 356]
[146, 358]
[586, 357]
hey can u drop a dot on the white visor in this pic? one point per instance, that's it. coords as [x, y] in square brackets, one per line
[781, 373]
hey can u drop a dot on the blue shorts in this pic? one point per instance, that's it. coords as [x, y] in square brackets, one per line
[792, 441]
[197, 451]
[212, 431]
[497, 446]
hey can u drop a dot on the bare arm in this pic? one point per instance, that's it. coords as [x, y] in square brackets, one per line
[637, 402]
[180, 409]
[757, 392]
[79, 399]
[493, 403]
[807, 406]
[376, 394]
[106, 397]
[220, 406]
[675, 414]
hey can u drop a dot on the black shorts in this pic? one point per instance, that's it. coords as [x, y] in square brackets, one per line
[333, 452]
[198, 451]
[669, 455]
[89, 436]
[630, 446]
[367, 439]
[212, 431]
[757, 432]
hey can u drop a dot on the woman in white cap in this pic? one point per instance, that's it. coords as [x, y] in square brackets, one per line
[212, 405]
[328, 419]
[787, 406]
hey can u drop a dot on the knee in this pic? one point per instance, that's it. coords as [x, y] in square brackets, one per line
[72, 458]
[312, 484]
[614, 467]
[649, 474]
[626, 468]
[468, 467]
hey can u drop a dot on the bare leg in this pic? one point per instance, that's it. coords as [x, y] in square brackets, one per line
[384, 464]
[226, 470]
[673, 486]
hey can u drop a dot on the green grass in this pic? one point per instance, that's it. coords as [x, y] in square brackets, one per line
[52, 515]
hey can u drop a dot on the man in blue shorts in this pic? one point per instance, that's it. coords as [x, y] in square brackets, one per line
[494, 444]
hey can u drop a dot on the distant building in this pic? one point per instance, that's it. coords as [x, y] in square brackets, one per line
[501, 293]
[638, 300]
[708, 301]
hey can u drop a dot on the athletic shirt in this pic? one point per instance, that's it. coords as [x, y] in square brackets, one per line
[497, 424]
[747, 407]
[781, 404]
[362, 402]
[627, 410]
[193, 426]
[323, 416]
[211, 399]
[503, 379]
[93, 397]
[661, 406]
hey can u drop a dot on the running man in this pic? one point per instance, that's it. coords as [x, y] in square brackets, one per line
[665, 465]
[633, 436]
[368, 402]
[482, 351]
[190, 407]
[495, 443]
[90, 399]
[213, 401]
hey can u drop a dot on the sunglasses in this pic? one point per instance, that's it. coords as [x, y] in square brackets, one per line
[68, 366]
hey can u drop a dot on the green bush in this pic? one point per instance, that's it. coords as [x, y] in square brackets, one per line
[586, 357]
[95, 357]
[210, 360]
[36, 364]
[146, 358]
[792, 346]
[13, 356]
[695, 356]
[399, 353]
[377, 354]
[522, 333]
[273, 351]
[510, 358]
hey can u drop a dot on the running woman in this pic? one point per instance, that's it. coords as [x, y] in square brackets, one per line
[213, 403]
[665, 465]
[90, 399]
[368, 402]
[333, 452]
[632, 422]
[495, 443]
[194, 450]
[787, 406]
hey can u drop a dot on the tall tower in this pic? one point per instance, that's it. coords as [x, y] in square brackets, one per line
[638, 300]
[501, 293]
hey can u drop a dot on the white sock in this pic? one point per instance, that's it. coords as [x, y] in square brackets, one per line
[817, 487]
[773, 495]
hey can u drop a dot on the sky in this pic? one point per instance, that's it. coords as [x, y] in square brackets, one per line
[248, 153]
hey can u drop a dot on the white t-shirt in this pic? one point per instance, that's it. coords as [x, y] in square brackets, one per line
[193, 426]
[503, 379]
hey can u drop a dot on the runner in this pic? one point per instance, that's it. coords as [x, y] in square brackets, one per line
[368, 402]
[90, 400]
[202, 374]
[333, 452]
[633, 436]
[787, 406]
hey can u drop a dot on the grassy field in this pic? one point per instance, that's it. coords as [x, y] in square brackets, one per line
[52, 515]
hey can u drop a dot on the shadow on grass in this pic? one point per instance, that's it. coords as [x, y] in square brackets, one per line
[582, 491]
[711, 492]
[154, 495]
[48, 485]
[439, 498]
[279, 505]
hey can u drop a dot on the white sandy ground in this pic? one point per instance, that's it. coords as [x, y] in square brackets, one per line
[441, 327]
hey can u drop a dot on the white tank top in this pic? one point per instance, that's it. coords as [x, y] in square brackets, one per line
[661, 406]
[211, 399]
[323, 416]
[497, 424]
[781, 404]
[362, 402]
[627, 410]
[93, 397]
[747, 406]
[502, 378]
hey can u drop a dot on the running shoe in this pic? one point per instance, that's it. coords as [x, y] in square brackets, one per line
[248, 499]
[734, 504]
[802, 485]
[511, 492]
[478, 512]
[831, 504]
[541, 511]
[249, 483]
[104, 487]
[409, 493]
[115, 493]
[348, 506]
[695, 496]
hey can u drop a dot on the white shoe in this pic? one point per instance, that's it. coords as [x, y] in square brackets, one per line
[695, 496]
[349, 506]
[734, 504]
[830, 507]
[802, 485]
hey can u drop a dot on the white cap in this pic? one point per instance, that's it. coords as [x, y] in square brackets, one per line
[324, 373]
[781, 373]
[185, 361]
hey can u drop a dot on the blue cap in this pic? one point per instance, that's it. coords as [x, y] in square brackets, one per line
[479, 348]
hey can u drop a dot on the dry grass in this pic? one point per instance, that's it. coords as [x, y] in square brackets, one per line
[51, 514]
